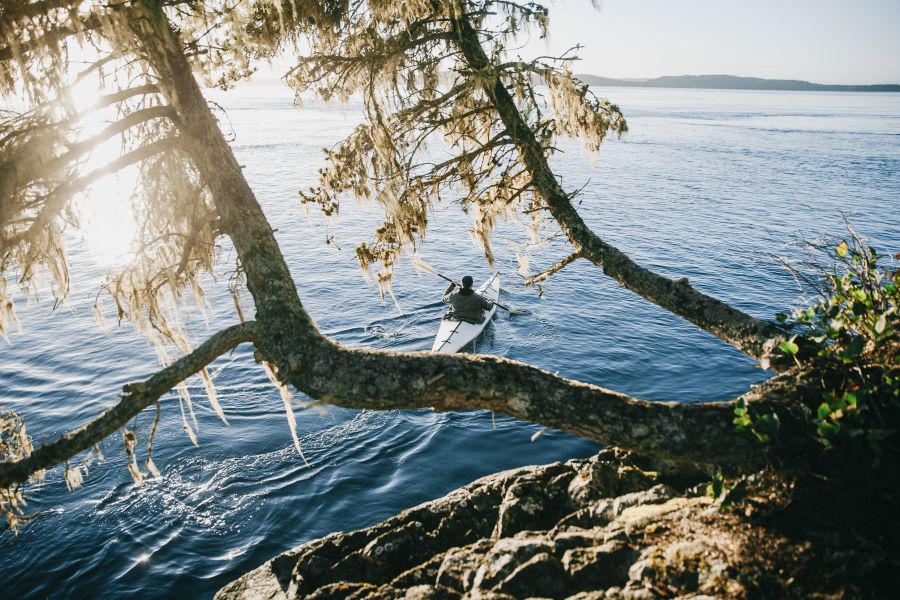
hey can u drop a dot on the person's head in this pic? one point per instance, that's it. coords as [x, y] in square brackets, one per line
[467, 282]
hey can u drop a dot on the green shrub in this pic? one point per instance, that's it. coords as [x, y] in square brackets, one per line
[850, 338]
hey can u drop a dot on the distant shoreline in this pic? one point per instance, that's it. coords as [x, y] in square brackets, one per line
[732, 82]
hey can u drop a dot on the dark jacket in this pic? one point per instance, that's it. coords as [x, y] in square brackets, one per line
[466, 305]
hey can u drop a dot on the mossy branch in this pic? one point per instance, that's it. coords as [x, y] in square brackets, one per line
[135, 398]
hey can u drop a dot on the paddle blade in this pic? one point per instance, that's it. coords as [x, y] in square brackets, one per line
[424, 266]
[513, 312]
[421, 265]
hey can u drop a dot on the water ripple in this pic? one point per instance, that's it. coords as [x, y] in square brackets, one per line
[705, 186]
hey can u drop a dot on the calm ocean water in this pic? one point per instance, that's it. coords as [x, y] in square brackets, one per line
[708, 185]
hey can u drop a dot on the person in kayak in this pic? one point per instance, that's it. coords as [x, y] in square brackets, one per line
[466, 305]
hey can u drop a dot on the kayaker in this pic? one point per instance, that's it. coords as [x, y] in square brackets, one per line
[466, 305]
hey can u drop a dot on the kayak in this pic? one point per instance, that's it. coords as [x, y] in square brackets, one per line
[453, 335]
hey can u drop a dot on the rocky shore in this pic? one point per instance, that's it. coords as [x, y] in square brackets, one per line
[612, 526]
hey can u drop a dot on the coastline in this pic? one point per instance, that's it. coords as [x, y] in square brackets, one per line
[612, 526]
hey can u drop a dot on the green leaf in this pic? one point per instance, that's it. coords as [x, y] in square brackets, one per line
[842, 249]
[716, 487]
[742, 422]
[824, 411]
[828, 428]
[881, 323]
[789, 347]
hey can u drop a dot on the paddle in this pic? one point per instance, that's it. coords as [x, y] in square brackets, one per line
[421, 264]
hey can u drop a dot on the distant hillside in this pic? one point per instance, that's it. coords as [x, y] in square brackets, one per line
[731, 82]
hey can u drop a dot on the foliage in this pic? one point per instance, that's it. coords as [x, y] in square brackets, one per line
[83, 106]
[856, 324]
[763, 427]
[432, 133]
[15, 443]
[851, 334]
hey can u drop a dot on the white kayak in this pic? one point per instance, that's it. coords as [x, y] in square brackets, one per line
[453, 335]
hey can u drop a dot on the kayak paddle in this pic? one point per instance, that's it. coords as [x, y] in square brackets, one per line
[422, 265]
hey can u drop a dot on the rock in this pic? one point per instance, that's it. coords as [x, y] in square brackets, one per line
[565, 540]
[606, 476]
[605, 528]
[422, 574]
[603, 511]
[639, 516]
[344, 590]
[644, 569]
[599, 567]
[427, 592]
[399, 546]
[259, 584]
[457, 568]
[535, 501]
[594, 595]
[505, 556]
[540, 576]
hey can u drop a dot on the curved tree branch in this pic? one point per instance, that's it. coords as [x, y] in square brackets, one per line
[285, 335]
[552, 270]
[702, 433]
[135, 398]
[744, 332]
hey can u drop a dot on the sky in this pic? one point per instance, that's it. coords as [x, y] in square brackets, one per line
[823, 41]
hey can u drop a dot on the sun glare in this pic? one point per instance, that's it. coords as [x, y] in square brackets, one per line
[106, 219]
[107, 225]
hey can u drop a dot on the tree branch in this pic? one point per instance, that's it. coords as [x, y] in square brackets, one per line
[355, 378]
[545, 275]
[51, 36]
[55, 200]
[702, 433]
[746, 333]
[136, 397]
